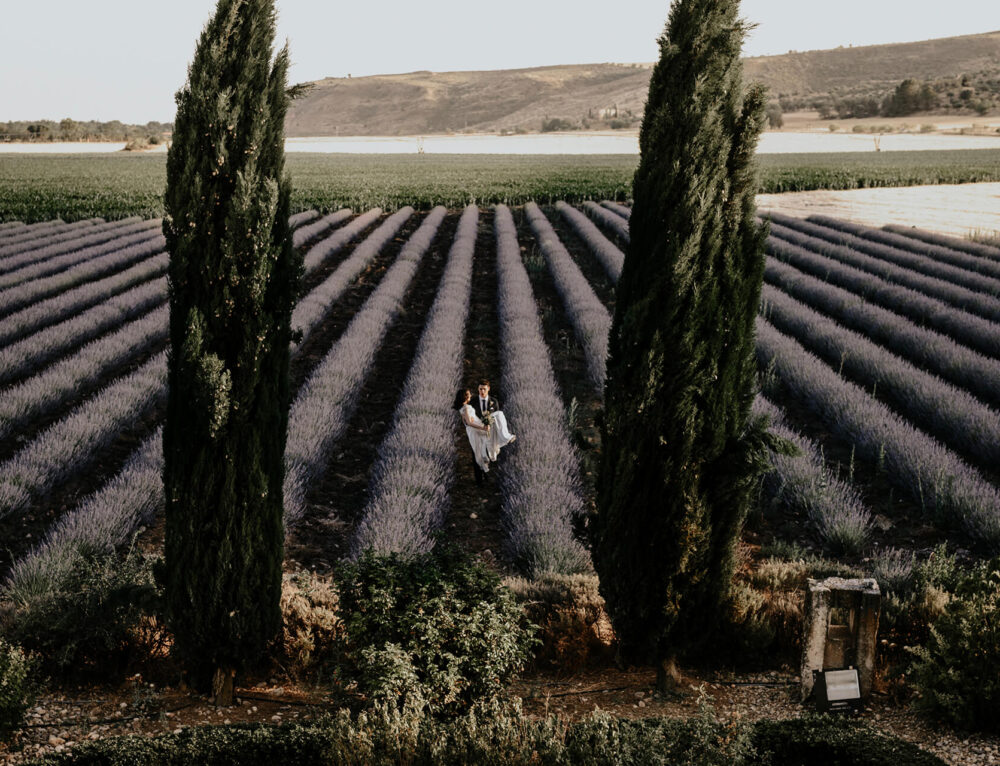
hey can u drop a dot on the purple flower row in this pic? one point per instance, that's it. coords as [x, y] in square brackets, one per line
[614, 207]
[415, 467]
[802, 483]
[540, 481]
[301, 219]
[926, 257]
[973, 331]
[951, 414]
[70, 303]
[938, 353]
[324, 405]
[952, 243]
[948, 291]
[38, 234]
[339, 239]
[72, 443]
[28, 354]
[934, 476]
[604, 249]
[6, 227]
[607, 219]
[307, 233]
[142, 247]
[313, 307]
[591, 321]
[59, 253]
[103, 522]
[44, 392]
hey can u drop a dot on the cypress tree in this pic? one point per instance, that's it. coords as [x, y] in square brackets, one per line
[681, 455]
[233, 278]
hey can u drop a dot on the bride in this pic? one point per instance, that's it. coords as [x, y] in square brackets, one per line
[486, 440]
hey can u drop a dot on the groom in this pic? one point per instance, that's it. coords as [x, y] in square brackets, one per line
[482, 403]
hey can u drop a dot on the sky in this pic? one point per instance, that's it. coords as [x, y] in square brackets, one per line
[119, 59]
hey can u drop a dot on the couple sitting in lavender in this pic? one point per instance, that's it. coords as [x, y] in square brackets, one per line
[485, 425]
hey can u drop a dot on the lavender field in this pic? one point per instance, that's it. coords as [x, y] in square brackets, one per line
[879, 356]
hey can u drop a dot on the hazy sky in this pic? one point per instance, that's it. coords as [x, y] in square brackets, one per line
[122, 59]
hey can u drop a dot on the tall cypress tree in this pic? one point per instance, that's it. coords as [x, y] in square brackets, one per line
[233, 279]
[680, 453]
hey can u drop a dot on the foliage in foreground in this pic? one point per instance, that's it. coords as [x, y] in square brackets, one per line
[18, 687]
[97, 621]
[957, 672]
[499, 735]
[438, 629]
[72, 187]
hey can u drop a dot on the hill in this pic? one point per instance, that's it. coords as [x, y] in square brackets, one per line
[965, 71]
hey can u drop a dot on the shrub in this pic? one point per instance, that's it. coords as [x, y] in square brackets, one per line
[834, 742]
[17, 687]
[574, 629]
[957, 673]
[310, 621]
[100, 620]
[557, 124]
[438, 628]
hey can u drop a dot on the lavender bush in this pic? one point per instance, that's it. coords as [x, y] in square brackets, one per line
[973, 331]
[942, 240]
[604, 249]
[57, 252]
[415, 467]
[6, 227]
[70, 303]
[314, 306]
[591, 321]
[326, 400]
[301, 219]
[27, 355]
[38, 234]
[803, 484]
[951, 414]
[614, 207]
[101, 524]
[305, 234]
[540, 482]
[111, 263]
[46, 391]
[339, 239]
[70, 444]
[926, 257]
[935, 477]
[941, 355]
[608, 220]
[983, 304]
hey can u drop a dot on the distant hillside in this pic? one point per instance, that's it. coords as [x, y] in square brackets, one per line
[600, 96]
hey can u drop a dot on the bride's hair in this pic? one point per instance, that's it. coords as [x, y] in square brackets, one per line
[460, 398]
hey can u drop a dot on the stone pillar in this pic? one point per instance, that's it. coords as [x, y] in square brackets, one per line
[840, 627]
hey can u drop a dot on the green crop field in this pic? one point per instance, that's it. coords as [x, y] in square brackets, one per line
[41, 187]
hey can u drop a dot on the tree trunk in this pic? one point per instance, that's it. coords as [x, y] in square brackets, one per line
[222, 687]
[668, 676]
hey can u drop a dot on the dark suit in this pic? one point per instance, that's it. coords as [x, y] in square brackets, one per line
[492, 405]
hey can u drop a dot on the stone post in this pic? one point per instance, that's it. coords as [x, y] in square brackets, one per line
[840, 627]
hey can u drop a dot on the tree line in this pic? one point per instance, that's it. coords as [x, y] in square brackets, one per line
[83, 130]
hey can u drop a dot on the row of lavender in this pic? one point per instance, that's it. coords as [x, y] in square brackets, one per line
[927, 305]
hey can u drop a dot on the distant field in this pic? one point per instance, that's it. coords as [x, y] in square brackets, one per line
[72, 187]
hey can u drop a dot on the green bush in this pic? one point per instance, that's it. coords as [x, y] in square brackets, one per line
[17, 687]
[499, 735]
[832, 741]
[957, 672]
[439, 628]
[99, 620]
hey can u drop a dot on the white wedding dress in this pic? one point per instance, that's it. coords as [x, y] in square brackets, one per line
[486, 447]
